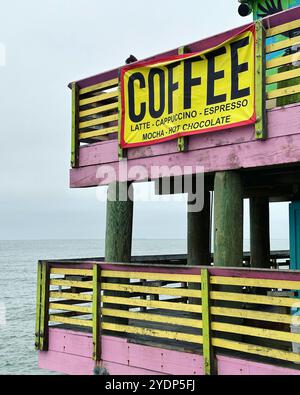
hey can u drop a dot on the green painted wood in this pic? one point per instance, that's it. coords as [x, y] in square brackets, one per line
[96, 312]
[260, 82]
[122, 153]
[260, 232]
[208, 352]
[228, 219]
[44, 315]
[75, 126]
[182, 142]
[38, 306]
[118, 241]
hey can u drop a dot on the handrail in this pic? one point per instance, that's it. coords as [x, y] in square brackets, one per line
[204, 309]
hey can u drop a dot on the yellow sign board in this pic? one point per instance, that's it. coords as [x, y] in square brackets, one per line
[191, 93]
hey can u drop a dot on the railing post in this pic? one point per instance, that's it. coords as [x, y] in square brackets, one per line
[121, 151]
[208, 352]
[96, 308]
[182, 142]
[42, 307]
[260, 82]
[38, 305]
[75, 126]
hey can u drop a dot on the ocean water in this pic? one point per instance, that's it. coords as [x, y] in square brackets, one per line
[18, 263]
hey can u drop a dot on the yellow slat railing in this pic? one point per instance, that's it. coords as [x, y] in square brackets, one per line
[283, 65]
[256, 321]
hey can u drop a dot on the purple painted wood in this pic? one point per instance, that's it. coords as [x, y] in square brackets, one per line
[70, 355]
[281, 122]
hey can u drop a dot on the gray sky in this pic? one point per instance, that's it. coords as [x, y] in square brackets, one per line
[50, 43]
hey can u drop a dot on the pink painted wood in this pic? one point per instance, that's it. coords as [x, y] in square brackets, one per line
[69, 353]
[232, 149]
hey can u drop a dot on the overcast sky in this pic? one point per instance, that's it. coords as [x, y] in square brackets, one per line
[50, 43]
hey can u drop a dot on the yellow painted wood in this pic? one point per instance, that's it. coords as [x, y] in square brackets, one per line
[255, 315]
[291, 90]
[72, 272]
[98, 133]
[256, 332]
[153, 332]
[256, 350]
[255, 282]
[283, 76]
[283, 28]
[153, 304]
[283, 60]
[153, 318]
[67, 307]
[71, 296]
[152, 290]
[75, 284]
[258, 299]
[102, 85]
[190, 278]
[98, 110]
[283, 44]
[98, 98]
[72, 321]
[98, 121]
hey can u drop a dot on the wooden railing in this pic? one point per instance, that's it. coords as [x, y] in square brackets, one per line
[96, 108]
[204, 310]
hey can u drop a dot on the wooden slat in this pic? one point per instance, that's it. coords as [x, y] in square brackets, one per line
[75, 284]
[44, 315]
[72, 272]
[96, 306]
[256, 332]
[98, 121]
[256, 350]
[71, 296]
[98, 110]
[283, 92]
[191, 278]
[152, 290]
[153, 333]
[283, 76]
[283, 60]
[102, 85]
[98, 98]
[153, 304]
[283, 44]
[250, 298]
[67, 307]
[68, 320]
[283, 28]
[98, 133]
[153, 318]
[75, 123]
[256, 282]
[255, 315]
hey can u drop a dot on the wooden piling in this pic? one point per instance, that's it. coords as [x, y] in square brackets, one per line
[228, 219]
[259, 232]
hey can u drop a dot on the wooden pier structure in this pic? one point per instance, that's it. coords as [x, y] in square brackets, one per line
[200, 313]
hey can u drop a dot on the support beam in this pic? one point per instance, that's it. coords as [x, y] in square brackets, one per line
[198, 235]
[119, 219]
[228, 219]
[118, 241]
[259, 232]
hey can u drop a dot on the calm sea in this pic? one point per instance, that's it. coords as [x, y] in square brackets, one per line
[18, 261]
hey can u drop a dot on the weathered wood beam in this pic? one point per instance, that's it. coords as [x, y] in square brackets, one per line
[259, 233]
[228, 219]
